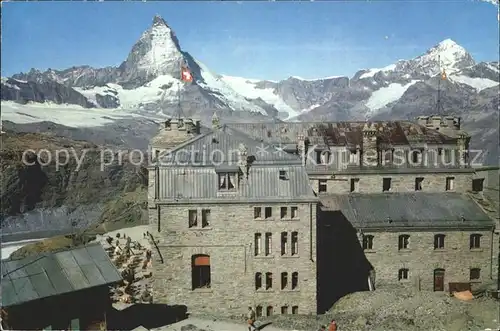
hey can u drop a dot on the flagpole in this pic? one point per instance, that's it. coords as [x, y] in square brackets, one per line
[179, 93]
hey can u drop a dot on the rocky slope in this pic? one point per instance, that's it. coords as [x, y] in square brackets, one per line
[44, 195]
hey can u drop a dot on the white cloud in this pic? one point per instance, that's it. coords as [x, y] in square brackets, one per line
[495, 2]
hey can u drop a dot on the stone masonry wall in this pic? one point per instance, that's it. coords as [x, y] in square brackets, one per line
[399, 183]
[421, 258]
[229, 241]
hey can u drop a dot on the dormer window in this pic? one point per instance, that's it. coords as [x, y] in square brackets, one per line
[283, 175]
[228, 181]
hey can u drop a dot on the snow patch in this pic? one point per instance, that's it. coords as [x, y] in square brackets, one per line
[163, 88]
[477, 83]
[386, 95]
[315, 79]
[373, 71]
[248, 89]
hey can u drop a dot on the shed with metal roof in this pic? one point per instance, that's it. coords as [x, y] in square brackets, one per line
[56, 289]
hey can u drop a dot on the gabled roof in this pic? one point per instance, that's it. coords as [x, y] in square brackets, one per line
[418, 209]
[221, 147]
[57, 273]
[263, 183]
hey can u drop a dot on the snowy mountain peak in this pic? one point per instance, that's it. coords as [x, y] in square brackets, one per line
[451, 55]
[156, 53]
[158, 20]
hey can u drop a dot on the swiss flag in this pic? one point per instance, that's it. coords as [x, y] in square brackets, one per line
[186, 75]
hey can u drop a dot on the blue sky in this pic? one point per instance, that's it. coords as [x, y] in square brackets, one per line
[265, 40]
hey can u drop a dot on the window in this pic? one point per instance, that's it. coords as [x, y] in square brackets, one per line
[439, 241]
[205, 218]
[227, 181]
[477, 185]
[450, 181]
[295, 243]
[295, 280]
[318, 157]
[322, 184]
[283, 175]
[475, 241]
[284, 280]
[258, 244]
[284, 212]
[368, 242]
[258, 311]
[258, 281]
[388, 156]
[475, 274]
[284, 243]
[295, 310]
[448, 155]
[257, 212]
[354, 184]
[415, 157]
[193, 218]
[200, 271]
[269, 280]
[269, 243]
[295, 212]
[269, 311]
[403, 274]
[325, 157]
[353, 157]
[284, 310]
[268, 212]
[386, 184]
[404, 242]
[418, 183]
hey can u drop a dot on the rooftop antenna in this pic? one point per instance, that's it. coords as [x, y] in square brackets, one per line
[442, 74]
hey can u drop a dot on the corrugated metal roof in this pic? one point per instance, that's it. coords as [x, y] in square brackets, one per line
[263, 182]
[408, 209]
[57, 273]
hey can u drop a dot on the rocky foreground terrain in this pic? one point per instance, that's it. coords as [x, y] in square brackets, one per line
[48, 199]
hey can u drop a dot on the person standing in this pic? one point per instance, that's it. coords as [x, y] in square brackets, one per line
[333, 326]
[251, 319]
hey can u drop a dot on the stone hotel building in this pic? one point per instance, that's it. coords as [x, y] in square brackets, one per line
[289, 217]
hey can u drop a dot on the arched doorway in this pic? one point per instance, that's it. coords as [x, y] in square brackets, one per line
[438, 280]
[200, 270]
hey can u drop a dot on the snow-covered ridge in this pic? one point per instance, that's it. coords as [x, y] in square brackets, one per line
[248, 89]
[315, 79]
[373, 71]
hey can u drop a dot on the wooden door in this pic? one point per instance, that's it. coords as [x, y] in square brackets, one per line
[439, 280]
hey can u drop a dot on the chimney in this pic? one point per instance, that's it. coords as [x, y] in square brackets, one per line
[436, 122]
[243, 159]
[168, 125]
[370, 148]
[215, 121]
[301, 147]
[463, 148]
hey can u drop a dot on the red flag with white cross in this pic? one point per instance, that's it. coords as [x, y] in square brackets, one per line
[186, 75]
